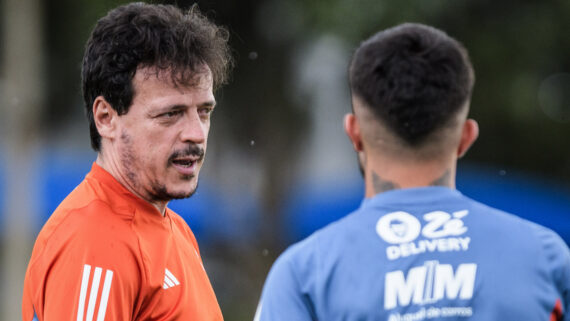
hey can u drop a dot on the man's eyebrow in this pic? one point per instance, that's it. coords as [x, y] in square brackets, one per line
[174, 107]
[210, 103]
[171, 108]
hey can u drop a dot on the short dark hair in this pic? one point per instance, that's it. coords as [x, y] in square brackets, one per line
[413, 77]
[143, 35]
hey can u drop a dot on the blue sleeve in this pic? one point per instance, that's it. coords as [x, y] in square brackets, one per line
[558, 260]
[287, 291]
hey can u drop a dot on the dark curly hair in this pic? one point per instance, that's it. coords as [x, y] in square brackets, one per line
[143, 35]
[413, 77]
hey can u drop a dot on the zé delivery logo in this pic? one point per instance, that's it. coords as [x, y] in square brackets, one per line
[443, 232]
[432, 281]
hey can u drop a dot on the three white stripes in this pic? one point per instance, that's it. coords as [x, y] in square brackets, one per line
[93, 294]
[169, 280]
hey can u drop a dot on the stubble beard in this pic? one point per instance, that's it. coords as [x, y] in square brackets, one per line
[158, 192]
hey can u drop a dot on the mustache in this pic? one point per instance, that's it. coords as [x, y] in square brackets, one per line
[191, 150]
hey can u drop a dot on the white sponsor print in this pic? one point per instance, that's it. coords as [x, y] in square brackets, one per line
[432, 313]
[429, 283]
[95, 302]
[440, 245]
[402, 229]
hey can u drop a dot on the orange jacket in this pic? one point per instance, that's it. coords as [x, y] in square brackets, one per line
[106, 254]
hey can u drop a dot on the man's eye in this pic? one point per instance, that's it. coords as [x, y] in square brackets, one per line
[171, 114]
[205, 111]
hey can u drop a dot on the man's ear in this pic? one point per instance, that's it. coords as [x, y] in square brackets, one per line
[469, 134]
[352, 129]
[105, 118]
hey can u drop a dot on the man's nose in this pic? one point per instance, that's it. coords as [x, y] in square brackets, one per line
[194, 129]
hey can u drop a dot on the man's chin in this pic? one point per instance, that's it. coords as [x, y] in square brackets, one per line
[181, 195]
[183, 192]
[164, 194]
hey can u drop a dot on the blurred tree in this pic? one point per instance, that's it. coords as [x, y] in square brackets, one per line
[21, 102]
[68, 24]
[514, 45]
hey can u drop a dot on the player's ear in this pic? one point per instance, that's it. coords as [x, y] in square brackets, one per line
[352, 129]
[469, 134]
[105, 117]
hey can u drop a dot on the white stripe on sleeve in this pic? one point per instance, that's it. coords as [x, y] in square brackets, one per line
[83, 292]
[93, 295]
[105, 295]
[92, 285]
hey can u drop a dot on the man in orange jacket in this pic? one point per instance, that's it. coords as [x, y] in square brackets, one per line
[112, 250]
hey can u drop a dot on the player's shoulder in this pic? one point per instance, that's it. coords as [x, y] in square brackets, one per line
[82, 237]
[514, 228]
[336, 234]
[509, 221]
[94, 227]
[90, 203]
[326, 239]
[95, 218]
[541, 246]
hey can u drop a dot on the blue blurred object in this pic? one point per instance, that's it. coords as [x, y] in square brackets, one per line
[314, 206]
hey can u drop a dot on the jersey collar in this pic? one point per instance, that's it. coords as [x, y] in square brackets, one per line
[415, 195]
[121, 195]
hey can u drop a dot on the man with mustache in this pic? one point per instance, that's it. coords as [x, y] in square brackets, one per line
[113, 250]
[417, 249]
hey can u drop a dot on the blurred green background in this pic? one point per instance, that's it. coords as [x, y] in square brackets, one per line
[276, 144]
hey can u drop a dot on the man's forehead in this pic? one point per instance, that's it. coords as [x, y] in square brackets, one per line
[153, 86]
[181, 77]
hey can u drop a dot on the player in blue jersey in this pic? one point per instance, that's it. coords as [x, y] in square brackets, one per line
[417, 249]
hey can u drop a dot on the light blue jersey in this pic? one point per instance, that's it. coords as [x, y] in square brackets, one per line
[422, 254]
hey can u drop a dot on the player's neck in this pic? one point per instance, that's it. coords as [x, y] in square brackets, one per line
[107, 163]
[382, 176]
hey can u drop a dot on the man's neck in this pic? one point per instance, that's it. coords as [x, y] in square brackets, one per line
[114, 169]
[380, 177]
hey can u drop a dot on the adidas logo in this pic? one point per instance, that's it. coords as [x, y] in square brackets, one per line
[169, 280]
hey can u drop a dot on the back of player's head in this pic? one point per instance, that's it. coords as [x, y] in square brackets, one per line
[413, 78]
[140, 35]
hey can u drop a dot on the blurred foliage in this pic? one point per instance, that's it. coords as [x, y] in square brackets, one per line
[514, 46]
